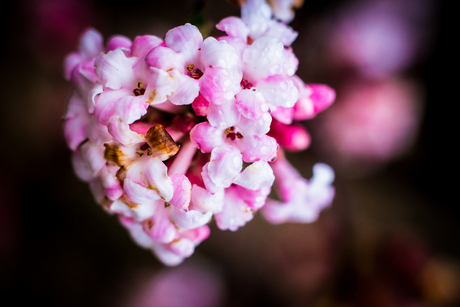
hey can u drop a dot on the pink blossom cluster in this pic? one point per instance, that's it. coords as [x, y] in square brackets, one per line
[170, 133]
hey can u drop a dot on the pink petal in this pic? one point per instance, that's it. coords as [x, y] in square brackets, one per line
[212, 187]
[168, 257]
[137, 232]
[93, 155]
[204, 201]
[290, 62]
[130, 108]
[256, 14]
[255, 199]
[121, 131]
[70, 62]
[322, 96]
[226, 163]
[97, 133]
[105, 102]
[94, 92]
[292, 137]
[219, 85]
[182, 247]
[282, 114]
[81, 168]
[185, 39]
[190, 219]
[263, 58]
[206, 137]
[224, 115]
[139, 194]
[110, 183]
[143, 44]
[150, 172]
[118, 41]
[216, 53]
[284, 33]
[161, 85]
[77, 121]
[233, 26]
[251, 103]
[256, 176]
[313, 99]
[182, 191]
[279, 91]
[200, 105]
[258, 127]
[91, 44]
[235, 212]
[187, 89]
[115, 70]
[156, 175]
[196, 235]
[165, 58]
[259, 148]
[160, 228]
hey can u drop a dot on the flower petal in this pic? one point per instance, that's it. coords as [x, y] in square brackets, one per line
[139, 194]
[204, 201]
[182, 191]
[206, 137]
[233, 26]
[256, 176]
[185, 39]
[143, 44]
[190, 219]
[226, 163]
[279, 91]
[115, 70]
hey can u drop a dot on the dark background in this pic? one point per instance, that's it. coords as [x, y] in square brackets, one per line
[58, 247]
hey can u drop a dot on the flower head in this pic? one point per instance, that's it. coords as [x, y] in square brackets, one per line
[170, 133]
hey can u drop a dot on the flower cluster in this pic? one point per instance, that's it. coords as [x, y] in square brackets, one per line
[169, 133]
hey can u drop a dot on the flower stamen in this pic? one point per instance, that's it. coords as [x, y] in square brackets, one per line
[245, 84]
[139, 90]
[194, 73]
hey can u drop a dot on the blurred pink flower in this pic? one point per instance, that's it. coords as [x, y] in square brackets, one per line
[189, 285]
[380, 37]
[371, 124]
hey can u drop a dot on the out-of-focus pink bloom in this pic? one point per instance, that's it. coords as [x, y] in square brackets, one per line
[189, 285]
[256, 21]
[371, 123]
[169, 133]
[380, 37]
[301, 200]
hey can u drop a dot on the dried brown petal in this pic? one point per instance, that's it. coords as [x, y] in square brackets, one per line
[114, 154]
[161, 143]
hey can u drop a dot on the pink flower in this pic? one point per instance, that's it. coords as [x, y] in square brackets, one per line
[194, 284]
[372, 124]
[380, 37]
[170, 133]
[301, 200]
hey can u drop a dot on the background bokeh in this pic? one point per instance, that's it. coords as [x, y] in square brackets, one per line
[390, 238]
